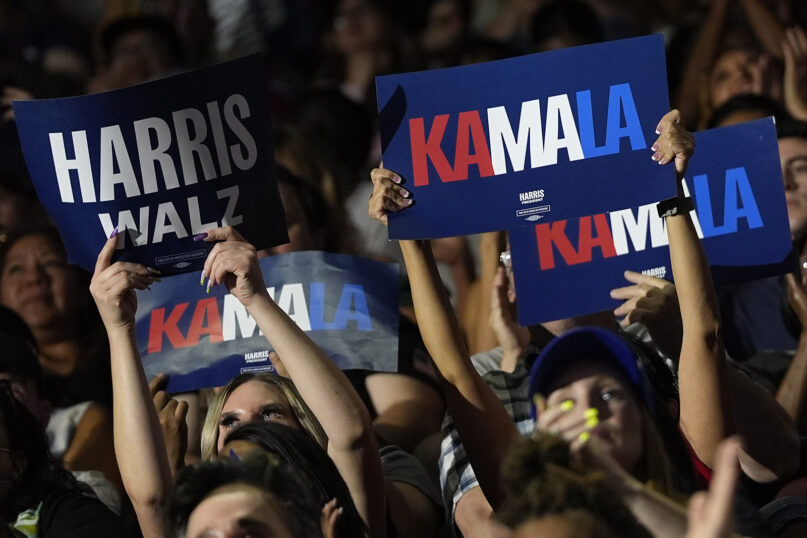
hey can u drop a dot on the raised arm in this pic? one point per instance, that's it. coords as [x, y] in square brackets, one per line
[326, 390]
[706, 405]
[143, 464]
[481, 420]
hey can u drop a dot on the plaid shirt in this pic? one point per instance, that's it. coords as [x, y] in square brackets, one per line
[456, 475]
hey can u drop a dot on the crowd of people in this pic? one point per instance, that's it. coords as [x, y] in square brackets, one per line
[681, 413]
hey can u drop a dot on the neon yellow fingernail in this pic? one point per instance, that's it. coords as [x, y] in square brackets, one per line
[584, 437]
[592, 422]
[202, 280]
[591, 412]
[567, 405]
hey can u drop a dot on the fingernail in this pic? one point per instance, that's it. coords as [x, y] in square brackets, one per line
[655, 157]
[156, 279]
[199, 237]
[155, 271]
[567, 405]
[340, 510]
[584, 437]
[409, 201]
[405, 193]
[202, 281]
[396, 179]
[591, 412]
[592, 422]
[654, 147]
[207, 290]
[114, 233]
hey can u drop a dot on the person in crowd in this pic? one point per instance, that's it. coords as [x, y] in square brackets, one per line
[298, 450]
[135, 49]
[79, 436]
[260, 495]
[38, 497]
[704, 419]
[50, 295]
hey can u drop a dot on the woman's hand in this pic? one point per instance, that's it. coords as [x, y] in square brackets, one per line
[674, 143]
[234, 263]
[113, 286]
[388, 194]
[795, 81]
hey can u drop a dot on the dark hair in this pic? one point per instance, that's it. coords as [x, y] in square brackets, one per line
[323, 219]
[18, 349]
[791, 128]
[565, 17]
[540, 479]
[315, 466]
[160, 27]
[283, 483]
[43, 475]
[663, 385]
[749, 102]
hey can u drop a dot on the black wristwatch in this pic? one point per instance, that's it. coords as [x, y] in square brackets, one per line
[674, 206]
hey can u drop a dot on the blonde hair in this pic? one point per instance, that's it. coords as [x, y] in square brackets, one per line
[655, 468]
[304, 415]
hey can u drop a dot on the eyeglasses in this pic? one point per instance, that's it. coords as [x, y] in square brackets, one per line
[505, 259]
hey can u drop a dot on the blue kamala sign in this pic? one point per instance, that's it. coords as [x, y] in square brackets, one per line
[347, 305]
[567, 268]
[505, 144]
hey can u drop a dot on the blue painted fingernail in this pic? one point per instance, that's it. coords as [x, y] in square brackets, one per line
[199, 237]
[114, 233]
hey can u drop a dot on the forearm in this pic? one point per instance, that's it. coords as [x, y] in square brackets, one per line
[472, 512]
[320, 382]
[481, 419]
[660, 515]
[706, 406]
[792, 392]
[766, 28]
[700, 61]
[484, 337]
[770, 448]
[143, 464]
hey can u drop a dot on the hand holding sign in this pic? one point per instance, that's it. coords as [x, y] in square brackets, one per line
[234, 263]
[674, 142]
[113, 287]
[388, 195]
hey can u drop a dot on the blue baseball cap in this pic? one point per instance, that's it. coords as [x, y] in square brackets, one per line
[587, 343]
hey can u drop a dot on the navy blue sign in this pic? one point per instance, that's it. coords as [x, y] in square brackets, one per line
[347, 305]
[162, 162]
[567, 268]
[503, 144]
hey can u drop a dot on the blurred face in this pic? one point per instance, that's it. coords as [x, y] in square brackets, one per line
[300, 235]
[236, 512]
[446, 26]
[357, 27]
[38, 284]
[254, 401]
[590, 384]
[27, 394]
[142, 55]
[735, 72]
[793, 157]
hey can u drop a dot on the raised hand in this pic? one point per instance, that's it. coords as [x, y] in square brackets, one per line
[113, 286]
[234, 263]
[674, 143]
[388, 194]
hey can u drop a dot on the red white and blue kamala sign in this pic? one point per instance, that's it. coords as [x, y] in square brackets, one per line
[567, 268]
[347, 305]
[548, 136]
[161, 161]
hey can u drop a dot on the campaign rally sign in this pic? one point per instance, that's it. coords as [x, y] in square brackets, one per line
[161, 162]
[567, 268]
[504, 144]
[347, 305]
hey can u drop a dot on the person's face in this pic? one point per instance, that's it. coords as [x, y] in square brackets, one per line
[793, 157]
[357, 27]
[254, 401]
[299, 229]
[590, 384]
[735, 72]
[141, 54]
[39, 285]
[237, 512]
